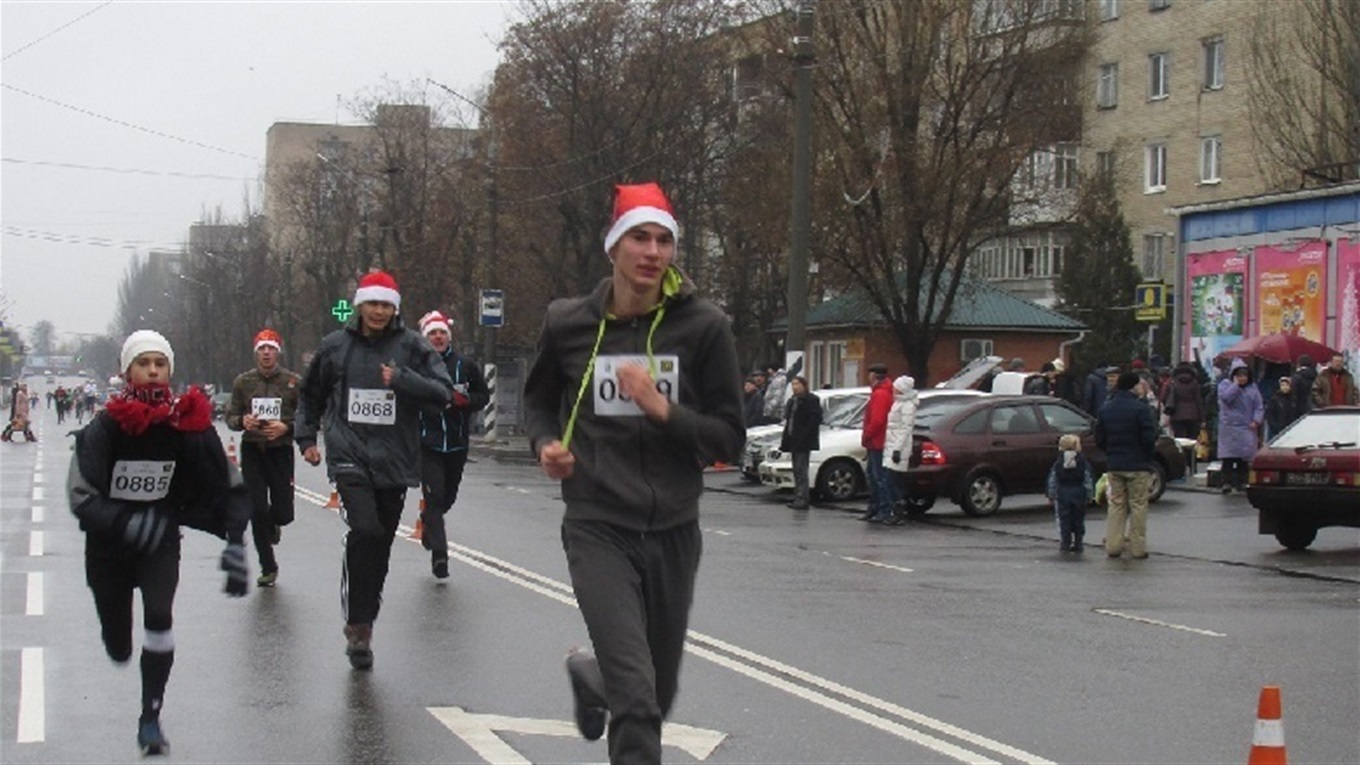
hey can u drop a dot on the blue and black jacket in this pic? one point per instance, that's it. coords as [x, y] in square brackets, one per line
[447, 429]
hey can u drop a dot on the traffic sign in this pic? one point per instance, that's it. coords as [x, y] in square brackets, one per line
[492, 312]
[1150, 301]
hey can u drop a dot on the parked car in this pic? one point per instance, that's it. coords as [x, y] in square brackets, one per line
[841, 408]
[838, 470]
[1308, 477]
[977, 451]
[220, 402]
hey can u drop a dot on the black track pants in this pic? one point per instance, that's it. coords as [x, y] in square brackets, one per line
[268, 475]
[441, 473]
[372, 516]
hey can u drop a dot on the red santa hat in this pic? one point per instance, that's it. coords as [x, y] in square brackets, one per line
[638, 204]
[377, 287]
[268, 337]
[432, 321]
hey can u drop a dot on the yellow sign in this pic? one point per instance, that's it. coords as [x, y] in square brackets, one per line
[1150, 301]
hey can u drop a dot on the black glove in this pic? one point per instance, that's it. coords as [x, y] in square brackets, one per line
[143, 529]
[234, 563]
[896, 457]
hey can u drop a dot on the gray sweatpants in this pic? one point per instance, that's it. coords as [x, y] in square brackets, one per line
[634, 590]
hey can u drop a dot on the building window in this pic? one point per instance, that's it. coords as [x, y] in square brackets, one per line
[1159, 76]
[1109, 10]
[1155, 248]
[1213, 63]
[1158, 5]
[974, 348]
[1107, 86]
[1065, 166]
[1210, 158]
[1105, 163]
[1154, 168]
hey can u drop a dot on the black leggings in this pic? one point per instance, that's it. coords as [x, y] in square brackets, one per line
[113, 572]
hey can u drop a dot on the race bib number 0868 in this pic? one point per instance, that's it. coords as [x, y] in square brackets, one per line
[372, 406]
[610, 400]
[141, 480]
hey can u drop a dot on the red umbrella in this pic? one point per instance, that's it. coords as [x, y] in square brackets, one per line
[1279, 348]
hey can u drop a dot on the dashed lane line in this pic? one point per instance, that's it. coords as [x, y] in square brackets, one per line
[37, 513]
[853, 704]
[1157, 622]
[32, 697]
[34, 596]
[35, 544]
[874, 563]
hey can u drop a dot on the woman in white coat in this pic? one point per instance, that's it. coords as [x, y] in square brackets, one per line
[897, 443]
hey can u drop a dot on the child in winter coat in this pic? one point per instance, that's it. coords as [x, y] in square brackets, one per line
[1282, 409]
[1070, 488]
[146, 465]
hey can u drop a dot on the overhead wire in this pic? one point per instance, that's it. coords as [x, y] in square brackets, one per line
[33, 42]
[93, 241]
[129, 170]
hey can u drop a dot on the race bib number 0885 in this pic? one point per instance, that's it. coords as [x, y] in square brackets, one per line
[373, 406]
[141, 480]
[610, 400]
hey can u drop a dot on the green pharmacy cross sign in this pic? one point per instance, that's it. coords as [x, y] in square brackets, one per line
[342, 310]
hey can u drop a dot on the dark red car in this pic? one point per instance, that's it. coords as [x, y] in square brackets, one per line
[1308, 477]
[976, 451]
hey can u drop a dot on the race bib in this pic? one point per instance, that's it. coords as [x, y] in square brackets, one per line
[267, 408]
[372, 406]
[141, 480]
[609, 398]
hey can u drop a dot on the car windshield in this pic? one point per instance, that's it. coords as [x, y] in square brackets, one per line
[932, 410]
[844, 410]
[1321, 430]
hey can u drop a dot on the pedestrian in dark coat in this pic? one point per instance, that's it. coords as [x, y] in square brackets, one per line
[802, 437]
[1282, 410]
[1183, 402]
[1093, 397]
[1127, 431]
[1301, 382]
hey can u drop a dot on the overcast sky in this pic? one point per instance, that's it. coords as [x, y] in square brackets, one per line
[122, 122]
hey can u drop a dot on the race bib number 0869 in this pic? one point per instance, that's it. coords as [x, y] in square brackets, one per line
[372, 406]
[610, 400]
[141, 480]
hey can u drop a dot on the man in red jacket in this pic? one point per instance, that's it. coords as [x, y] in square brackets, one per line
[882, 487]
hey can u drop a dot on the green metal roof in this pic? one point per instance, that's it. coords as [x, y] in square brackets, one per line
[977, 305]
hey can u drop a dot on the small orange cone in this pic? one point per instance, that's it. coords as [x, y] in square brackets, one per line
[1267, 742]
[334, 502]
[420, 524]
[231, 450]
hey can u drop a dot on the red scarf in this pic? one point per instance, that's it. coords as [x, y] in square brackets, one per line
[141, 406]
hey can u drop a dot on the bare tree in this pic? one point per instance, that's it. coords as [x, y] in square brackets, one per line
[1304, 90]
[926, 111]
[591, 94]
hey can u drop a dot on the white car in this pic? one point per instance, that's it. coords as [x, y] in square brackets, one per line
[841, 408]
[837, 470]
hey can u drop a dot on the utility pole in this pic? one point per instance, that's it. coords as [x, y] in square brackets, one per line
[796, 340]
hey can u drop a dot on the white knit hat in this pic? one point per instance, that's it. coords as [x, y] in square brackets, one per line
[146, 341]
[432, 321]
[638, 204]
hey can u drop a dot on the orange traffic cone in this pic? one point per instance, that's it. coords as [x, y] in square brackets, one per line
[231, 450]
[420, 523]
[334, 502]
[1267, 743]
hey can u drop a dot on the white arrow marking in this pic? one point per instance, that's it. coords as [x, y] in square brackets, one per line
[480, 732]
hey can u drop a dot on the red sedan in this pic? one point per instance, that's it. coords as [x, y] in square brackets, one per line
[1308, 477]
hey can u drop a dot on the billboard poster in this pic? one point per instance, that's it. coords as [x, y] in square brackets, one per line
[1291, 290]
[1348, 302]
[1217, 303]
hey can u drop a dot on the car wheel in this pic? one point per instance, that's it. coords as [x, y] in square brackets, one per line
[839, 480]
[918, 506]
[1295, 536]
[1157, 485]
[981, 493]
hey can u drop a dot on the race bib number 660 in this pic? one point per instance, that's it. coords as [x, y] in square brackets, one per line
[610, 400]
[373, 406]
[141, 480]
[267, 408]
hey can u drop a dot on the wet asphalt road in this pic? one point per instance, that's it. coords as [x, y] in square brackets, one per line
[815, 638]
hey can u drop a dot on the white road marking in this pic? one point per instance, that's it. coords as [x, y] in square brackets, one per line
[707, 647]
[878, 564]
[1157, 623]
[37, 513]
[34, 607]
[35, 544]
[32, 698]
[719, 532]
[37, 493]
[37, 476]
[479, 731]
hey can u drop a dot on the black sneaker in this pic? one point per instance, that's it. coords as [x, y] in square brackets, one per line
[150, 739]
[440, 569]
[587, 690]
